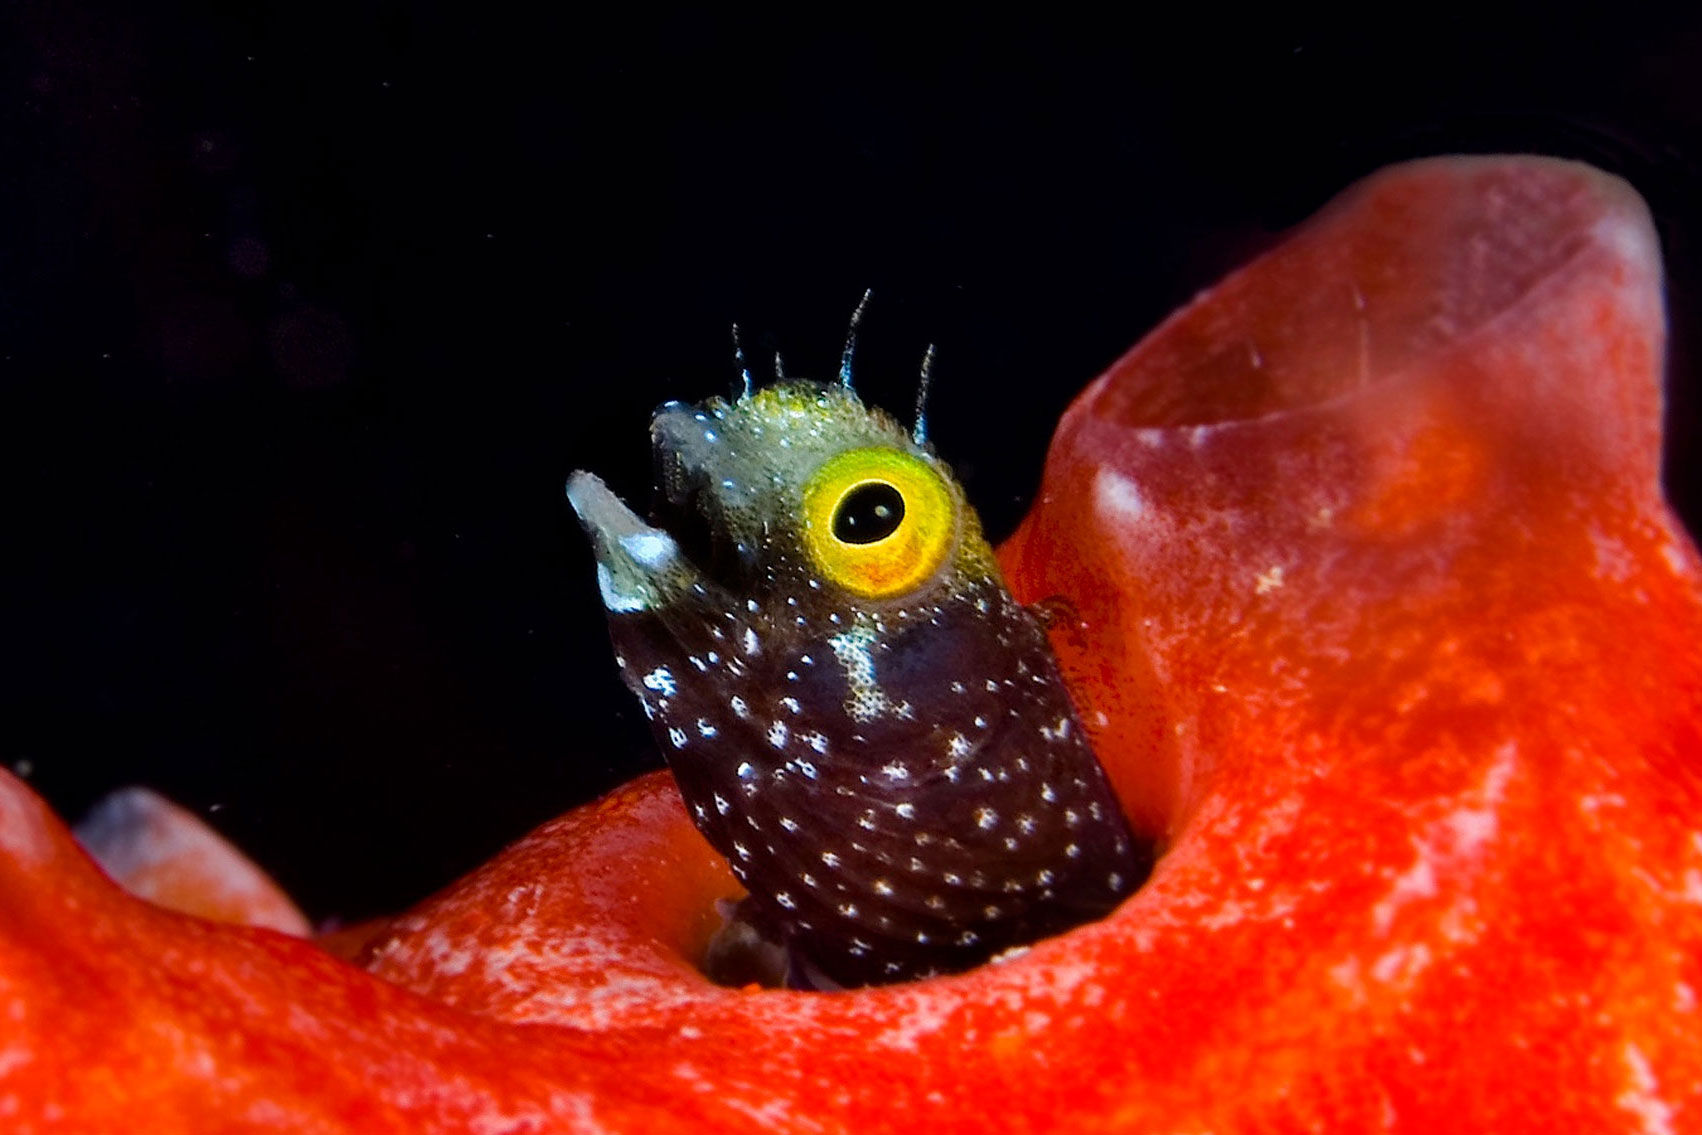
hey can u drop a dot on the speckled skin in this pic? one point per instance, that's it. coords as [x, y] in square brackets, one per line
[902, 784]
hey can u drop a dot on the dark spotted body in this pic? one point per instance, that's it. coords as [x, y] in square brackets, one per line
[899, 780]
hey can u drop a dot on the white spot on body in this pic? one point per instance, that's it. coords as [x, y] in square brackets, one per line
[662, 681]
[854, 650]
[1057, 731]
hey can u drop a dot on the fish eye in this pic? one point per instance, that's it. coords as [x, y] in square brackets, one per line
[869, 512]
[878, 521]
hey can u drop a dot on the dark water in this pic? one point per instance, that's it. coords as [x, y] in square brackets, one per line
[307, 310]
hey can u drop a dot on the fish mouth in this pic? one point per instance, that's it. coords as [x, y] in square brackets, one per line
[695, 492]
[643, 566]
[639, 567]
[686, 441]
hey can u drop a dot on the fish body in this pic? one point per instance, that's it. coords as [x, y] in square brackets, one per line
[860, 717]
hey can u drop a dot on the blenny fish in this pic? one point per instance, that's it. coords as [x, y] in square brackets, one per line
[860, 717]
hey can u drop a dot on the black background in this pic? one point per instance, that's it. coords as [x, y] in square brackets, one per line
[307, 311]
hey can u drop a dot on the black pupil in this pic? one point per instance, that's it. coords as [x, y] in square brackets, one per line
[868, 513]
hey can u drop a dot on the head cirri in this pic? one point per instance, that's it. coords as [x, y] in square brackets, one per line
[859, 716]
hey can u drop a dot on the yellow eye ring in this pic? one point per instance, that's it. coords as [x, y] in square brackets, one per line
[878, 522]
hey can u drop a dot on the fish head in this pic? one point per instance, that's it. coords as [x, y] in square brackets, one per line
[795, 496]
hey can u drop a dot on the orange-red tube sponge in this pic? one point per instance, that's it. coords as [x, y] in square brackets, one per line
[1381, 622]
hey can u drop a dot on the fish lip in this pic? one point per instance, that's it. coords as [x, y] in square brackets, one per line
[639, 567]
